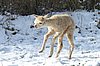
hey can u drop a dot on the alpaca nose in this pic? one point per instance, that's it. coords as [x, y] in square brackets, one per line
[31, 26]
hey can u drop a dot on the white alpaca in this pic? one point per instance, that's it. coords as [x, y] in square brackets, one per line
[58, 26]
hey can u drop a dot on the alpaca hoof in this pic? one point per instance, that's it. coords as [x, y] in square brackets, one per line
[49, 56]
[40, 51]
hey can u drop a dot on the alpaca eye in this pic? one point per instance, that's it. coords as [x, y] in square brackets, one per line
[40, 23]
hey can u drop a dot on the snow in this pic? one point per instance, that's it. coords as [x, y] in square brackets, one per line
[22, 48]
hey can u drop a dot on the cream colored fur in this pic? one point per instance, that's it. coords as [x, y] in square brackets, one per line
[58, 26]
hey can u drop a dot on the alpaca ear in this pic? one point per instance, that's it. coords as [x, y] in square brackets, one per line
[48, 15]
[35, 15]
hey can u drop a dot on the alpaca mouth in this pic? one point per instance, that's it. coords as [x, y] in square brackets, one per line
[31, 26]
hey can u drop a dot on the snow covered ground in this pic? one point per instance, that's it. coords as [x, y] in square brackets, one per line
[20, 44]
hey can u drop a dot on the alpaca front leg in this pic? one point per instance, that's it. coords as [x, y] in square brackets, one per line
[45, 40]
[60, 45]
[53, 42]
